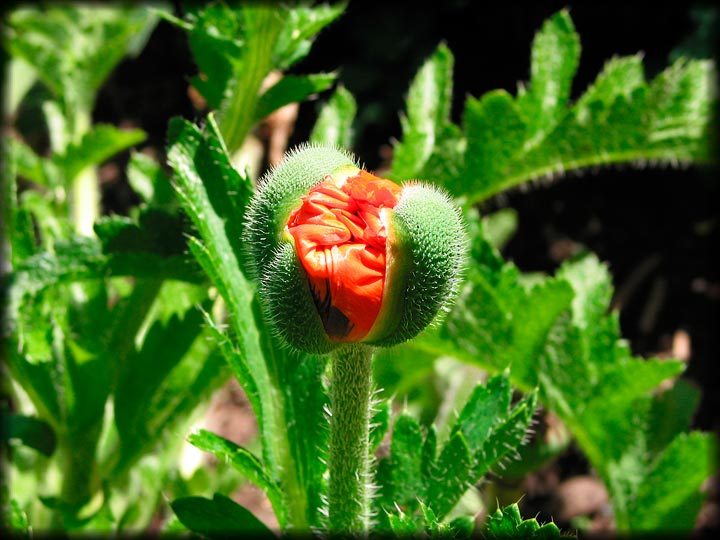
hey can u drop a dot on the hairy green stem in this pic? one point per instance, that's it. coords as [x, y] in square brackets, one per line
[349, 458]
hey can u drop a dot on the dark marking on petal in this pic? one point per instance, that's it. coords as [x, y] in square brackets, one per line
[336, 324]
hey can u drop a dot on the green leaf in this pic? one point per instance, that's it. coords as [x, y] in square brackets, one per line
[181, 368]
[73, 48]
[507, 141]
[486, 433]
[402, 525]
[149, 181]
[507, 523]
[428, 112]
[500, 226]
[97, 145]
[218, 517]
[555, 56]
[300, 378]
[334, 124]
[30, 431]
[671, 414]
[242, 460]
[449, 477]
[154, 231]
[495, 130]
[292, 89]
[197, 158]
[407, 479]
[379, 423]
[665, 121]
[486, 405]
[302, 24]
[620, 77]
[669, 497]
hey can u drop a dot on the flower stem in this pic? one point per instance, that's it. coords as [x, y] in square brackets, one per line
[349, 458]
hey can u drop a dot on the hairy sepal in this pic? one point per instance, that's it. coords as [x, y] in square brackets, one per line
[429, 247]
[288, 304]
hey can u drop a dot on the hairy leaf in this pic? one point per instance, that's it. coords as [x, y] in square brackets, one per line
[507, 141]
[507, 523]
[429, 100]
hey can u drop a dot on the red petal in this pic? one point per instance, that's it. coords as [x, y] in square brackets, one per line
[341, 242]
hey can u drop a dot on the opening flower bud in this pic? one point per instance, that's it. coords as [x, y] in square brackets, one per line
[345, 256]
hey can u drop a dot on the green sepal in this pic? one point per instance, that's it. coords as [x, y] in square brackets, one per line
[279, 194]
[428, 247]
[288, 304]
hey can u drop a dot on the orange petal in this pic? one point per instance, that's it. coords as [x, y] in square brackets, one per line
[341, 242]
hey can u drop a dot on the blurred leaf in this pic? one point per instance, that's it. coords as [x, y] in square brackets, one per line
[668, 500]
[155, 231]
[218, 517]
[16, 518]
[82, 259]
[149, 181]
[507, 523]
[236, 47]
[30, 431]
[428, 111]
[334, 124]
[671, 414]
[73, 48]
[97, 145]
[302, 23]
[244, 461]
[500, 226]
[20, 77]
[291, 89]
[180, 367]
[29, 165]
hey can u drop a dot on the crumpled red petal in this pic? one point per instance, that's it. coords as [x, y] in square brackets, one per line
[341, 241]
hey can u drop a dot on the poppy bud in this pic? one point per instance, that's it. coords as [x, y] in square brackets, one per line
[344, 256]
